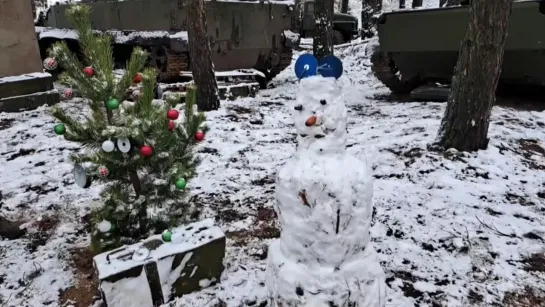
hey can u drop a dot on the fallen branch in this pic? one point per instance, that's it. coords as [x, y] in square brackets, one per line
[496, 229]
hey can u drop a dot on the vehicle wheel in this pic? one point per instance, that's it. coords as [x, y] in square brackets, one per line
[338, 38]
[262, 81]
[286, 57]
[386, 71]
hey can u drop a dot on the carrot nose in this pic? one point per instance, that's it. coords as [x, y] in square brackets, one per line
[311, 121]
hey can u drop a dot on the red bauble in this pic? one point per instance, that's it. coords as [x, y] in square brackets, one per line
[146, 151]
[171, 126]
[89, 71]
[199, 136]
[138, 78]
[173, 114]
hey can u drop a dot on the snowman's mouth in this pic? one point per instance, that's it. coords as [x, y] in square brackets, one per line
[317, 136]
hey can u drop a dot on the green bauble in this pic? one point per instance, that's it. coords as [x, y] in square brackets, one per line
[112, 104]
[60, 129]
[181, 183]
[167, 236]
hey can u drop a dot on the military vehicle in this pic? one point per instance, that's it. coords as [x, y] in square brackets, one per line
[243, 35]
[345, 26]
[416, 47]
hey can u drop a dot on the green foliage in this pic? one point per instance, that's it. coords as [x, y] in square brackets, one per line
[139, 197]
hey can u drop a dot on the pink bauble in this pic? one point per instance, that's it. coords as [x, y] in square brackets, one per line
[50, 64]
[104, 172]
[68, 93]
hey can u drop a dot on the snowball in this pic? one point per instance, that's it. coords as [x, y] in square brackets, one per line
[203, 283]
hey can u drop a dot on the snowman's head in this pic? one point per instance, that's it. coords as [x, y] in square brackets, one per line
[320, 116]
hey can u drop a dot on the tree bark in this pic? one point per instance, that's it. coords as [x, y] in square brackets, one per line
[200, 56]
[323, 37]
[445, 3]
[368, 20]
[467, 117]
[344, 6]
[417, 3]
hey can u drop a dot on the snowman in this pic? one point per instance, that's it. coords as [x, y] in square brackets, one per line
[324, 204]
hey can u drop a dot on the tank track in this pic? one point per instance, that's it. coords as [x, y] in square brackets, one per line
[176, 62]
[384, 68]
[170, 64]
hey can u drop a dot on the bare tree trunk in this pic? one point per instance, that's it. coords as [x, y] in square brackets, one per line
[368, 21]
[201, 57]
[323, 37]
[344, 6]
[467, 117]
[453, 2]
[417, 3]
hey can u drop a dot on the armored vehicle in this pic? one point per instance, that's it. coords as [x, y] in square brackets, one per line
[243, 35]
[415, 47]
[345, 26]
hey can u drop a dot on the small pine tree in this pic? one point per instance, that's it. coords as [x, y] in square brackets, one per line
[145, 177]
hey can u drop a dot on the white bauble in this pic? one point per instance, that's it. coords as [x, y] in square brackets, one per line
[108, 146]
[104, 226]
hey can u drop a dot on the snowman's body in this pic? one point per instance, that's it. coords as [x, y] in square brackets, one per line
[324, 203]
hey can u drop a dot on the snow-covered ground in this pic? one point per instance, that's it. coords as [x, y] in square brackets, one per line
[453, 229]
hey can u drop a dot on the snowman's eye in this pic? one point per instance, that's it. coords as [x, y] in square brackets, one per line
[323, 102]
[298, 107]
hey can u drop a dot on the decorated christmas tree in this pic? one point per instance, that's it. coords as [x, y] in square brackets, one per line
[141, 150]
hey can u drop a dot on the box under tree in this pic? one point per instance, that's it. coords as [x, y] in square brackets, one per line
[154, 272]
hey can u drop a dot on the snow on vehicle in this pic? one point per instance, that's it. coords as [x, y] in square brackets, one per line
[243, 35]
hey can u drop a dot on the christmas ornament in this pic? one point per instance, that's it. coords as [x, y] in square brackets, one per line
[60, 129]
[167, 236]
[146, 151]
[171, 126]
[108, 146]
[104, 226]
[124, 145]
[112, 104]
[104, 171]
[50, 64]
[199, 136]
[68, 93]
[89, 71]
[173, 114]
[180, 184]
[80, 177]
[138, 78]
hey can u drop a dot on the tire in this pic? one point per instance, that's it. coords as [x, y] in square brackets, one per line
[386, 71]
[338, 38]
